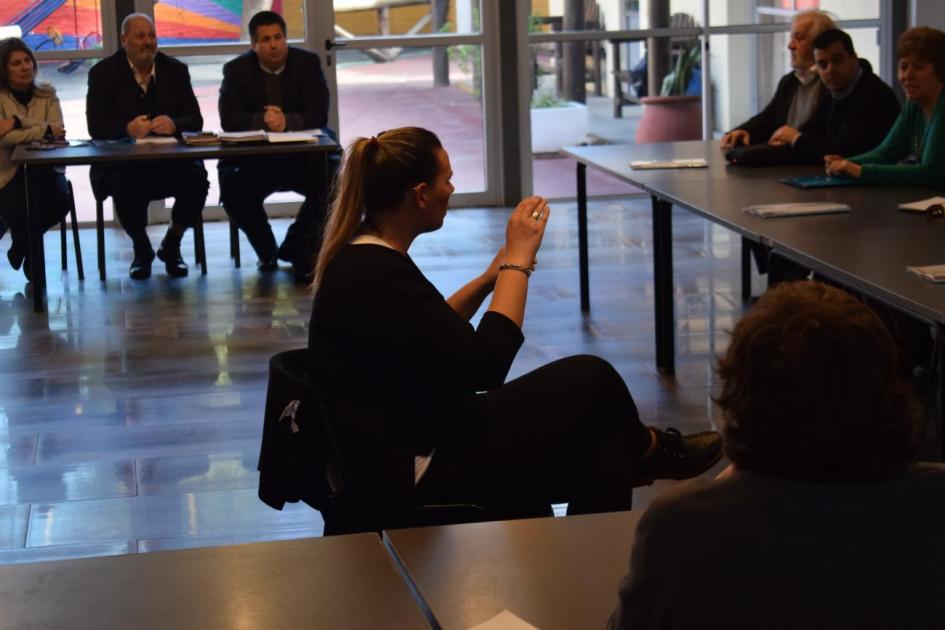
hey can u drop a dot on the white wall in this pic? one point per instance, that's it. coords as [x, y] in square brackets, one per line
[927, 13]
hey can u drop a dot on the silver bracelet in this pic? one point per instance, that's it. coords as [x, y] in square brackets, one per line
[526, 270]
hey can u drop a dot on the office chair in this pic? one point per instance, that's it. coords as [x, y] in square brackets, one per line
[301, 459]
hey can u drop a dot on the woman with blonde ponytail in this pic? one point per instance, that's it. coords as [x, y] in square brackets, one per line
[418, 396]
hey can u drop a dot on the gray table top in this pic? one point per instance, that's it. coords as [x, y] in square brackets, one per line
[337, 582]
[867, 248]
[551, 572]
[124, 150]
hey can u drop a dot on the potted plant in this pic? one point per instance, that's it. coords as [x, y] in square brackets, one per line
[557, 123]
[676, 114]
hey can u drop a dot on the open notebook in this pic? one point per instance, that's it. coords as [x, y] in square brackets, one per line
[922, 205]
[932, 273]
[774, 210]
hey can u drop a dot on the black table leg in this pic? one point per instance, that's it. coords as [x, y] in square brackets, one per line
[200, 247]
[582, 236]
[37, 255]
[938, 382]
[663, 286]
[746, 270]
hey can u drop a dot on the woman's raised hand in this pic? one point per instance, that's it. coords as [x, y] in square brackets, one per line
[525, 229]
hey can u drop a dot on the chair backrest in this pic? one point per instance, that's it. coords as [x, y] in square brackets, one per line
[293, 456]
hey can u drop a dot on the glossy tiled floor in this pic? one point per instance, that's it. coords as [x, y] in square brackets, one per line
[130, 416]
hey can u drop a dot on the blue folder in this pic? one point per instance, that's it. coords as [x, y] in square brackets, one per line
[819, 181]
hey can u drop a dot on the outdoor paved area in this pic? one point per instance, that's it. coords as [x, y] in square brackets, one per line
[373, 97]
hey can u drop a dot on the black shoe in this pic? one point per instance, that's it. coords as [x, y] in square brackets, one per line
[290, 246]
[169, 253]
[16, 255]
[303, 275]
[141, 264]
[678, 456]
[267, 266]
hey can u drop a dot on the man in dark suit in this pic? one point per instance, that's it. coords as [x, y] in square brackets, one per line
[139, 92]
[799, 94]
[856, 118]
[274, 87]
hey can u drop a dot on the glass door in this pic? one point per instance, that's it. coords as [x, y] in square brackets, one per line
[394, 63]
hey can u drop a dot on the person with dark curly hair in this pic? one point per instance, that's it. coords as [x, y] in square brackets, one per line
[821, 521]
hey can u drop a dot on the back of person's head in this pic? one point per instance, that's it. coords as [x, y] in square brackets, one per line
[9, 46]
[811, 390]
[820, 21]
[925, 44]
[376, 174]
[830, 37]
[265, 18]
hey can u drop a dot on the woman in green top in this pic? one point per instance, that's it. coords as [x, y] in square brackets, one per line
[913, 153]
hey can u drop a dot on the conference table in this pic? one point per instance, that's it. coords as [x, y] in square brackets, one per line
[867, 249]
[121, 151]
[550, 572]
[338, 582]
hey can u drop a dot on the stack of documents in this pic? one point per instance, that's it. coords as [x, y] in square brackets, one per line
[645, 165]
[200, 138]
[923, 205]
[933, 273]
[292, 136]
[156, 140]
[234, 137]
[774, 210]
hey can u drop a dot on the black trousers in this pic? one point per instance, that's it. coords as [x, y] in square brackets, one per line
[244, 186]
[566, 432]
[133, 186]
[49, 201]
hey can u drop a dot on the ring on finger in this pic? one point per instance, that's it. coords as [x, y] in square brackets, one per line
[536, 215]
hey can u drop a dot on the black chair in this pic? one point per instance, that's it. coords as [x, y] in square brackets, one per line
[75, 236]
[200, 254]
[77, 246]
[302, 460]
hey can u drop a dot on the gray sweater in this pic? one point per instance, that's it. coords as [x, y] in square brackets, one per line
[753, 551]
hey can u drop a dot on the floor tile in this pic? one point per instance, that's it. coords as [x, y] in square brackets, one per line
[208, 514]
[67, 482]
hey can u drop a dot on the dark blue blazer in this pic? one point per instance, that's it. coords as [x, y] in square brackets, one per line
[304, 93]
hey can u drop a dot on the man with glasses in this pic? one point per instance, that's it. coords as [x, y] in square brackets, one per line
[274, 87]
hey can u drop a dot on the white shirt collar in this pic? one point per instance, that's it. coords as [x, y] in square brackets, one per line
[143, 81]
[276, 72]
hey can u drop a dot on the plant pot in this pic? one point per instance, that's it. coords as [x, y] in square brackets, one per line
[670, 118]
[556, 127]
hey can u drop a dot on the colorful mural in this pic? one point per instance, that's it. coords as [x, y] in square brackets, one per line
[76, 24]
[49, 24]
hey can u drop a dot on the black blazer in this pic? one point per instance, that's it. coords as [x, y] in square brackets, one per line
[398, 367]
[854, 124]
[304, 93]
[114, 97]
[775, 114]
